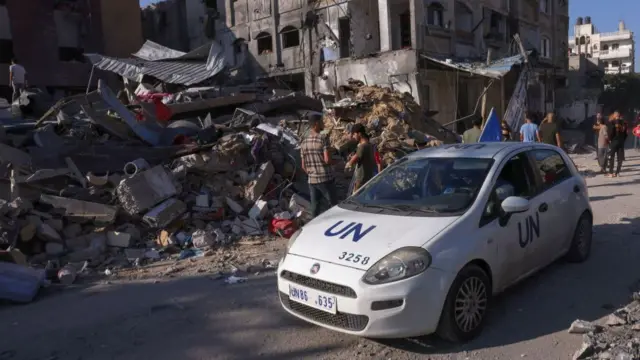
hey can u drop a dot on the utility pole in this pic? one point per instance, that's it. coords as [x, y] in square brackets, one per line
[483, 109]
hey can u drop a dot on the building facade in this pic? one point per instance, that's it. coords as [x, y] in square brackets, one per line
[616, 50]
[316, 45]
[52, 51]
[180, 24]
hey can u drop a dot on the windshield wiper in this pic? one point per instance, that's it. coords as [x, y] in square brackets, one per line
[352, 202]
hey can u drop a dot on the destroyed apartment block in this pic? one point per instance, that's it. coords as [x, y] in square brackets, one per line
[99, 183]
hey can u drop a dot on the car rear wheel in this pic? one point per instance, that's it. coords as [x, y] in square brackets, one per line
[466, 306]
[581, 242]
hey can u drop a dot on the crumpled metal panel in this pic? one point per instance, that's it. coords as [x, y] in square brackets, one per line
[152, 51]
[497, 69]
[174, 71]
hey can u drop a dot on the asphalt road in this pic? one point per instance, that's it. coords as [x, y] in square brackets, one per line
[201, 318]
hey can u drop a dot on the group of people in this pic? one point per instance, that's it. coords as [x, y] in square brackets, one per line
[317, 164]
[611, 136]
[547, 132]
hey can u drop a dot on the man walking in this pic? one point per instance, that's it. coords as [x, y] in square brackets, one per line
[316, 162]
[473, 135]
[549, 133]
[364, 157]
[617, 133]
[529, 130]
[602, 141]
[17, 79]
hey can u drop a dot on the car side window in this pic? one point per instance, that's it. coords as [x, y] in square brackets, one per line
[553, 170]
[515, 179]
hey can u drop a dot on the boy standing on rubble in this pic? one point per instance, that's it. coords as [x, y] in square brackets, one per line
[17, 79]
[364, 157]
[316, 162]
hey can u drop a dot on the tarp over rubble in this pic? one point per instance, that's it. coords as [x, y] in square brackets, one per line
[168, 65]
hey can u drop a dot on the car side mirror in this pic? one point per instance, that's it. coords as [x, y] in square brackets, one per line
[514, 205]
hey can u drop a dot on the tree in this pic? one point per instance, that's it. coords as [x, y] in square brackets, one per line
[621, 93]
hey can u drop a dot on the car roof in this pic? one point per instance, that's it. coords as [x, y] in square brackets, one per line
[486, 150]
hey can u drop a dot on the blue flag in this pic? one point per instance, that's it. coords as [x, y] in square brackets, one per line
[492, 130]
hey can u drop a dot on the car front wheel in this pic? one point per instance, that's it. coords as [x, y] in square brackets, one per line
[581, 242]
[466, 306]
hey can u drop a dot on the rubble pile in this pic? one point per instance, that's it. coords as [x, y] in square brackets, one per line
[618, 338]
[395, 122]
[104, 183]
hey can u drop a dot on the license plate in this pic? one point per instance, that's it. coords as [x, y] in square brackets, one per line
[313, 298]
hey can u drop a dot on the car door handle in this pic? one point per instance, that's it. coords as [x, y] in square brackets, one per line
[543, 207]
[576, 189]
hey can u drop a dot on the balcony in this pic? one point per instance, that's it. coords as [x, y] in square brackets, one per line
[616, 35]
[615, 54]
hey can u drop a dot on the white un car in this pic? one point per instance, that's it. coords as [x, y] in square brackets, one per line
[423, 246]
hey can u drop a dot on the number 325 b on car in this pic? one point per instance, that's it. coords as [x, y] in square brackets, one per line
[354, 258]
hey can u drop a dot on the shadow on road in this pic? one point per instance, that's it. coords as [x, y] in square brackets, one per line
[549, 301]
[609, 197]
[187, 318]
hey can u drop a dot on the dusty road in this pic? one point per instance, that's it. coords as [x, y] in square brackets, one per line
[201, 318]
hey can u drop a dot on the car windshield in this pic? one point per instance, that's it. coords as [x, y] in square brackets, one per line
[425, 185]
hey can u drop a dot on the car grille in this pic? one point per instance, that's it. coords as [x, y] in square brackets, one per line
[318, 284]
[340, 320]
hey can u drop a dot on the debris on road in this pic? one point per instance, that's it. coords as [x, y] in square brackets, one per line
[177, 177]
[617, 339]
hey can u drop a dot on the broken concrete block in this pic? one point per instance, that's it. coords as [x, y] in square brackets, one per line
[165, 213]
[299, 205]
[203, 238]
[56, 224]
[236, 227]
[202, 200]
[14, 156]
[118, 239]
[83, 209]
[47, 233]
[18, 207]
[258, 210]
[146, 189]
[582, 327]
[257, 187]
[133, 254]
[36, 220]
[72, 231]
[131, 230]
[251, 227]
[28, 231]
[97, 246]
[234, 206]
[54, 249]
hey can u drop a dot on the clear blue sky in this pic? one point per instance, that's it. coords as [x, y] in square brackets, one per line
[605, 15]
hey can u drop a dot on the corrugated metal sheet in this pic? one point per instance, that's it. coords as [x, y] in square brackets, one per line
[205, 62]
[496, 69]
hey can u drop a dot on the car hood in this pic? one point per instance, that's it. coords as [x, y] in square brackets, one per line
[340, 232]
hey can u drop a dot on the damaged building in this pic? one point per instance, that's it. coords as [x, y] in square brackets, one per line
[180, 24]
[435, 50]
[52, 51]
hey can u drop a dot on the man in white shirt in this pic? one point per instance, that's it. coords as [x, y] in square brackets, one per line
[17, 78]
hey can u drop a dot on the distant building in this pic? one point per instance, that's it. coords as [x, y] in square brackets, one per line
[49, 38]
[616, 50]
[180, 24]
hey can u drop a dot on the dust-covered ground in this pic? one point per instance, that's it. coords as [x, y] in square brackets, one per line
[190, 313]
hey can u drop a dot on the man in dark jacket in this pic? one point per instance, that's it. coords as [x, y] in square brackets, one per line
[617, 134]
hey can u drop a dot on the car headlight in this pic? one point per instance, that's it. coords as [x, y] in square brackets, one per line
[400, 264]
